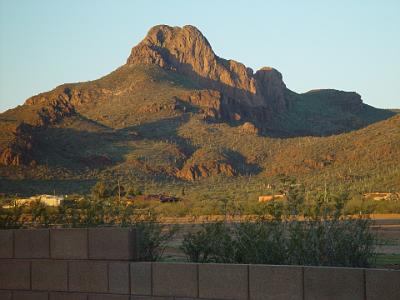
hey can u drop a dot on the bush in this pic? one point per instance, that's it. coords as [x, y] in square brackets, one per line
[100, 190]
[153, 238]
[329, 241]
[212, 243]
[335, 242]
[260, 242]
[11, 218]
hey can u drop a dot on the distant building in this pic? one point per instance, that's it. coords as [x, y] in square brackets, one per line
[49, 200]
[380, 196]
[268, 198]
[159, 198]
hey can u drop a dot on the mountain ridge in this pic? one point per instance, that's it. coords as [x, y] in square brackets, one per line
[186, 51]
[177, 111]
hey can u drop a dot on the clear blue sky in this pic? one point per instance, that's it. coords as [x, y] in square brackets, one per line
[347, 45]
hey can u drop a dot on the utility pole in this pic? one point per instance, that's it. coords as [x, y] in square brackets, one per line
[119, 191]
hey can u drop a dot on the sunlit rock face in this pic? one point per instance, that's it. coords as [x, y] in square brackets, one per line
[186, 51]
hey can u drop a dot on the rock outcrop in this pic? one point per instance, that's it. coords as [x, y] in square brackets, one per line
[249, 128]
[52, 106]
[346, 101]
[206, 163]
[186, 51]
[210, 103]
[19, 150]
[47, 109]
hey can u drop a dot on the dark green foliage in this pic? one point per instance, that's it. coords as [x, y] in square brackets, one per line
[100, 190]
[132, 191]
[40, 213]
[152, 239]
[11, 218]
[347, 243]
[337, 242]
[212, 243]
[260, 242]
[325, 237]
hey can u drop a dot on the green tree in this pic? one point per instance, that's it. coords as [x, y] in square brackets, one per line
[100, 190]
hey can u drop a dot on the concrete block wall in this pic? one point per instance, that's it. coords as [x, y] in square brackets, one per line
[69, 243]
[46, 265]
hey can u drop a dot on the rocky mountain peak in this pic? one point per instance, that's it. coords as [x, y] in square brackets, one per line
[186, 37]
[171, 47]
[186, 51]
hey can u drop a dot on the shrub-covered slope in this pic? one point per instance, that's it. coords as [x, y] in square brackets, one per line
[178, 115]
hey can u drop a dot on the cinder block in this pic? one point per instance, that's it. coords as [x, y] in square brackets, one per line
[333, 283]
[275, 282]
[50, 275]
[5, 295]
[382, 284]
[174, 279]
[14, 275]
[67, 296]
[118, 277]
[223, 281]
[88, 276]
[31, 243]
[178, 298]
[28, 295]
[135, 297]
[6, 244]
[112, 243]
[69, 243]
[140, 278]
[107, 297]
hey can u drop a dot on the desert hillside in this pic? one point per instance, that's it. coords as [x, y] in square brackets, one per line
[177, 116]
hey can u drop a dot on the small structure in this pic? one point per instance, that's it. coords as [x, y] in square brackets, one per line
[159, 198]
[268, 198]
[377, 196]
[164, 199]
[49, 200]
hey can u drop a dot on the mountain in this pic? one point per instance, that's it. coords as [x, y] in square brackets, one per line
[176, 113]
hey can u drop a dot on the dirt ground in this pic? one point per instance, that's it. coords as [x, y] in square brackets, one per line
[388, 245]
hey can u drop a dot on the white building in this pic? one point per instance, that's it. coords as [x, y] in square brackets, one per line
[49, 200]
